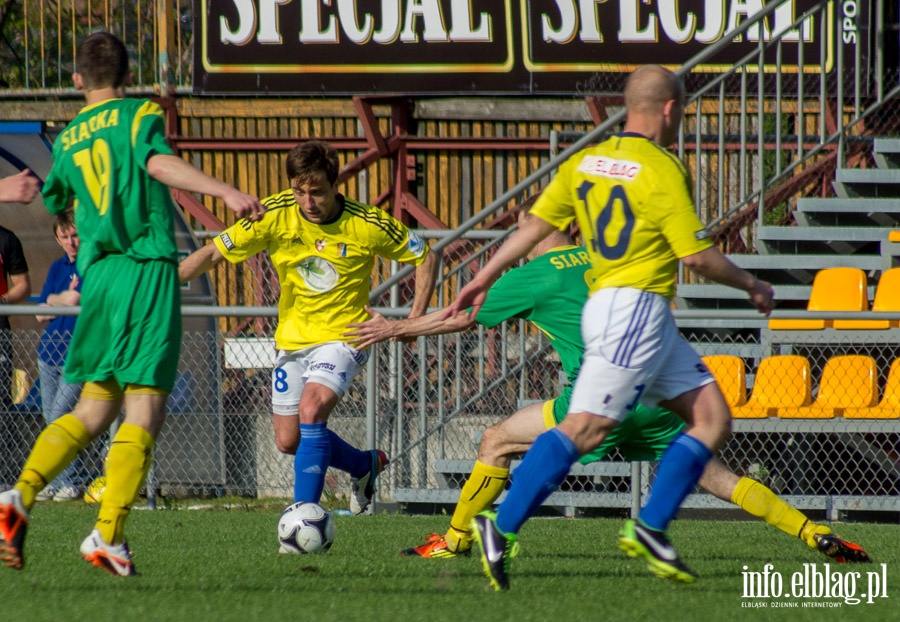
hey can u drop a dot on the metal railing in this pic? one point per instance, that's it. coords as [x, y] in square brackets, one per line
[815, 116]
[39, 40]
[751, 152]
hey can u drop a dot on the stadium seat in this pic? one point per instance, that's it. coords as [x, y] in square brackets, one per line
[833, 289]
[889, 406]
[849, 381]
[887, 297]
[782, 381]
[729, 373]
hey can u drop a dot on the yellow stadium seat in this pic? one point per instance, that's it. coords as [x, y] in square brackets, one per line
[834, 289]
[729, 373]
[847, 382]
[887, 297]
[894, 235]
[781, 381]
[889, 406]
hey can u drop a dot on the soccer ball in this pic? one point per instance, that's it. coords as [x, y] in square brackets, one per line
[305, 527]
[94, 492]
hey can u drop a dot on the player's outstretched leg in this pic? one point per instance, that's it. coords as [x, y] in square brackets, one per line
[496, 548]
[13, 525]
[362, 489]
[662, 559]
[114, 559]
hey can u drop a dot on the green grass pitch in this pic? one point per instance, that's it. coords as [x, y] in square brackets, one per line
[222, 564]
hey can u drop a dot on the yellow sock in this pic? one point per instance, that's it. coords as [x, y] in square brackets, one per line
[126, 468]
[756, 499]
[53, 450]
[481, 489]
[810, 530]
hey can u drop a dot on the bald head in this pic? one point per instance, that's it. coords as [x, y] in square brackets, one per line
[649, 87]
[654, 100]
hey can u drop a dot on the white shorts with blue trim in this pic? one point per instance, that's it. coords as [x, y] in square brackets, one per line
[633, 353]
[333, 364]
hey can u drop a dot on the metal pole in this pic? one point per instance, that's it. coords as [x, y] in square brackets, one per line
[371, 384]
[839, 103]
[165, 44]
[635, 489]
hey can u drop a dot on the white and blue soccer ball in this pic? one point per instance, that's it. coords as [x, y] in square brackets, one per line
[305, 527]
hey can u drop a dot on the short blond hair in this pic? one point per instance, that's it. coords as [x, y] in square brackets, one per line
[64, 220]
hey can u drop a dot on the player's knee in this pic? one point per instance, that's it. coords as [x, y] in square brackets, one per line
[491, 443]
[287, 434]
[313, 412]
[724, 436]
[286, 445]
[718, 429]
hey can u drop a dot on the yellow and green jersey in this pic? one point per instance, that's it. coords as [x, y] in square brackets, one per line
[324, 269]
[100, 163]
[633, 203]
[549, 291]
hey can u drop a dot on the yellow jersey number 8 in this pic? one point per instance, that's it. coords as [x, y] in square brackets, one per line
[604, 218]
[94, 164]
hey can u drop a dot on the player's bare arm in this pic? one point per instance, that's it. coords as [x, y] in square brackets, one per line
[175, 172]
[19, 188]
[712, 264]
[199, 262]
[20, 288]
[426, 277]
[529, 233]
[378, 328]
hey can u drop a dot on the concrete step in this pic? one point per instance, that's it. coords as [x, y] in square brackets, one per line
[848, 212]
[715, 296]
[821, 240]
[867, 182]
[887, 152]
[462, 468]
[567, 500]
[754, 351]
[801, 269]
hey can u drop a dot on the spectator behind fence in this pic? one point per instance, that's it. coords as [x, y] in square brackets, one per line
[62, 288]
[15, 287]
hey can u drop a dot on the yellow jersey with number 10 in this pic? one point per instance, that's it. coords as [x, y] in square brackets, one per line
[633, 203]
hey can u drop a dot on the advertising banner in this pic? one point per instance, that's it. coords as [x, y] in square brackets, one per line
[490, 47]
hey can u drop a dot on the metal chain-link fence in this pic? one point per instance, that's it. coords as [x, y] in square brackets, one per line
[428, 402]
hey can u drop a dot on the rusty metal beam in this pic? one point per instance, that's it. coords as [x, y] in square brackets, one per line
[197, 210]
[419, 143]
[370, 125]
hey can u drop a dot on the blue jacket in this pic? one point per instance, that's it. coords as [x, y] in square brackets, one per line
[55, 340]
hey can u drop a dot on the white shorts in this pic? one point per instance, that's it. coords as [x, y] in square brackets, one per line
[333, 364]
[633, 353]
